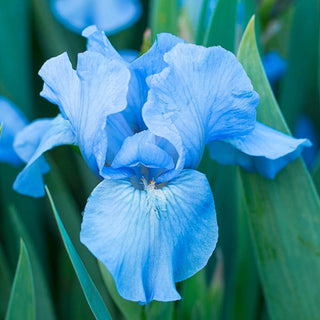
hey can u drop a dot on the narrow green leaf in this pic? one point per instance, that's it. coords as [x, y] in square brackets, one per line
[91, 293]
[245, 302]
[297, 96]
[222, 27]
[164, 17]
[44, 305]
[130, 310]
[202, 22]
[283, 215]
[316, 173]
[1, 126]
[22, 299]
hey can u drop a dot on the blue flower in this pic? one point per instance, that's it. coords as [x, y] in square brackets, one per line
[13, 121]
[143, 127]
[274, 66]
[111, 16]
[305, 128]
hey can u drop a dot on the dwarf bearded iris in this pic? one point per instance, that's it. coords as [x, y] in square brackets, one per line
[143, 127]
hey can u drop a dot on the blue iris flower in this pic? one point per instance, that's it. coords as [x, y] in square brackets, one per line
[143, 127]
[274, 66]
[13, 120]
[111, 16]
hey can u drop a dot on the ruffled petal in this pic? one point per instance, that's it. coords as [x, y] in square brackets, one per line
[39, 136]
[202, 96]
[150, 63]
[13, 121]
[87, 97]
[98, 42]
[264, 150]
[150, 239]
[111, 16]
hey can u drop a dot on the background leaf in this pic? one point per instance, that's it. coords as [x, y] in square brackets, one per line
[299, 90]
[283, 215]
[222, 26]
[92, 294]
[163, 17]
[22, 300]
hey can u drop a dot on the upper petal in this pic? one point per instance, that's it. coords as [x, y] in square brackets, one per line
[202, 96]
[150, 239]
[13, 121]
[264, 150]
[149, 63]
[109, 15]
[86, 98]
[39, 136]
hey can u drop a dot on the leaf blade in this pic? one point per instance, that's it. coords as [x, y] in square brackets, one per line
[283, 214]
[22, 298]
[91, 293]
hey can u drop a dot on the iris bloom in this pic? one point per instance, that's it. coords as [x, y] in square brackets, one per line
[111, 16]
[274, 66]
[13, 120]
[143, 127]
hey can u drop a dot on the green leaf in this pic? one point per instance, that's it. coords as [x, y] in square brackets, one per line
[245, 301]
[22, 299]
[44, 305]
[164, 17]
[15, 54]
[283, 215]
[299, 90]
[316, 173]
[130, 310]
[90, 291]
[1, 127]
[222, 27]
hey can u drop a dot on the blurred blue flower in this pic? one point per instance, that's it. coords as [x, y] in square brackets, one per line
[305, 128]
[111, 16]
[274, 66]
[143, 127]
[13, 121]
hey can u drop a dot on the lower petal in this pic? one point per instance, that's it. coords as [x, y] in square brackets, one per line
[149, 239]
[264, 150]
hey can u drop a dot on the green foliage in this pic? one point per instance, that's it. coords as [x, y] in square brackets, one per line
[222, 27]
[163, 17]
[130, 310]
[299, 90]
[92, 294]
[283, 215]
[22, 299]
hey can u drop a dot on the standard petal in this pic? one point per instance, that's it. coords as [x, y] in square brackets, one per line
[109, 15]
[44, 135]
[149, 63]
[264, 150]
[150, 239]
[13, 121]
[203, 95]
[86, 98]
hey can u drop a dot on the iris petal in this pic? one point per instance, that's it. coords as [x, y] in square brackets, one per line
[264, 150]
[109, 15]
[44, 136]
[86, 98]
[203, 95]
[150, 239]
[13, 121]
[149, 63]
